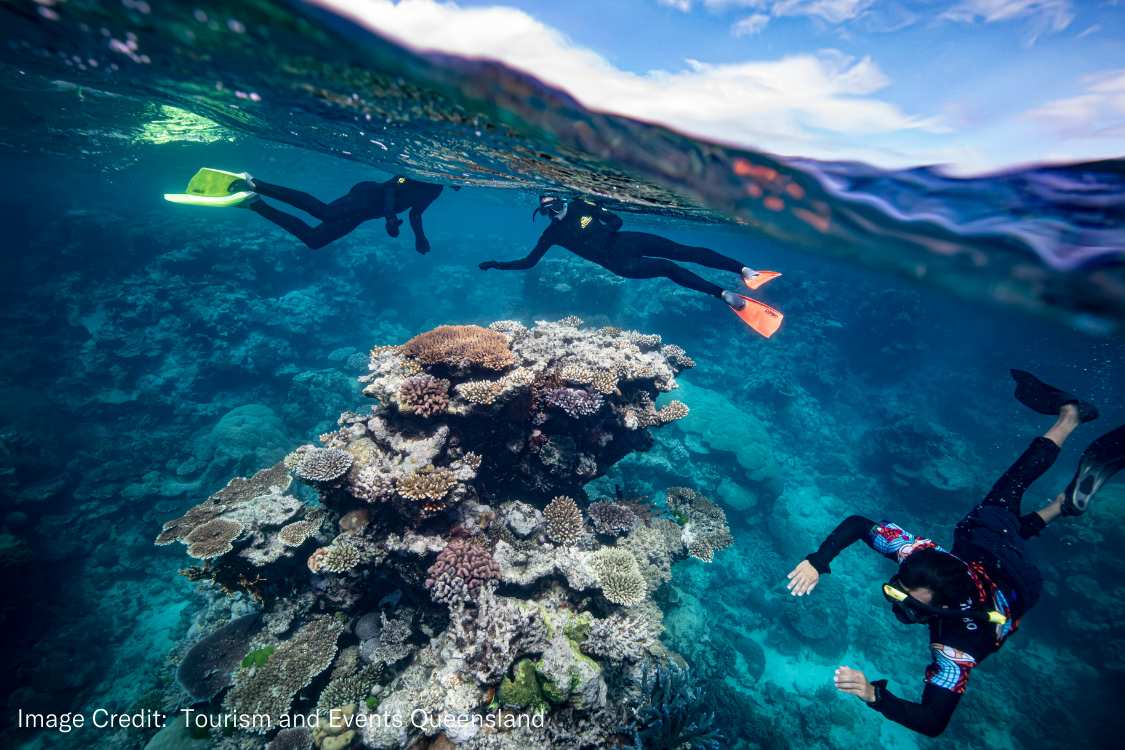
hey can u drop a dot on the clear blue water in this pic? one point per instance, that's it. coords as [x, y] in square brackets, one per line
[132, 327]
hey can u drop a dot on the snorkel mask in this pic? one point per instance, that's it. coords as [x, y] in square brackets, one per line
[910, 611]
[550, 206]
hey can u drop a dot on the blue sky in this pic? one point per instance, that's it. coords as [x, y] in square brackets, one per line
[974, 84]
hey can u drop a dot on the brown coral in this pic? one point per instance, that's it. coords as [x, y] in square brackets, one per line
[426, 486]
[316, 559]
[213, 538]
[453, 344]
[672, 411]
[295, 534]
[340, 558]
[425, 395]
[466, 562]
[564, 520]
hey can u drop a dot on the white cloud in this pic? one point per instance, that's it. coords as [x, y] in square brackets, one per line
[817, 106]
[750, 25]
[684, 5]
[1091, 30]
[1044, 15]
[1098, 113]
[832, 11]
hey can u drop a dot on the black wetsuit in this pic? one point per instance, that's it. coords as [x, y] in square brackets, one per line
[590, 232]
[991, 542]
[364, 202]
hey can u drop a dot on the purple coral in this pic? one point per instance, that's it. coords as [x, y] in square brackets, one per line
[611, 518]
[576, 404]
[471, 564]
[425, 394]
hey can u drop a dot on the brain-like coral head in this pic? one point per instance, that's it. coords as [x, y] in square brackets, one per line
[425, 394]
[324, 464]
[454, 344]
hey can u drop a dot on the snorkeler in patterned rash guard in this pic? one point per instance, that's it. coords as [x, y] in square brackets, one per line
[973, 597]
[591, 232]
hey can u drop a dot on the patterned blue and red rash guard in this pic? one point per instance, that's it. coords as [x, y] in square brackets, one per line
[956, 644]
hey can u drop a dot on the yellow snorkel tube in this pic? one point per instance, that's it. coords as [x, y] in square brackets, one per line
[909, 610]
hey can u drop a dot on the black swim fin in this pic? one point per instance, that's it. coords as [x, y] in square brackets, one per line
[1104, 458]
[1046, 399]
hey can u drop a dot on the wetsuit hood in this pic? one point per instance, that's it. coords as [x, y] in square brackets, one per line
[550, 206]
[911, 611]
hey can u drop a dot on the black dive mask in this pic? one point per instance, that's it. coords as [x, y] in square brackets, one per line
[549, 207]
[910, 611]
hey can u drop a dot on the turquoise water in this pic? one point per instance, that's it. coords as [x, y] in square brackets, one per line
[153, 352]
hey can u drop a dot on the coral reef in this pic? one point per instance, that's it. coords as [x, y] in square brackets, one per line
[323, 464]
[611, 518]
[564, 520]
[208, 665]
[455, 344]
[424, 394]
[705, 527]
[619, 575]
[459, 572]
[671, 713]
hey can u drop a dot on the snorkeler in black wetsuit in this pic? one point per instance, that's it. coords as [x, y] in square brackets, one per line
[364, 202]
[973, 598]
[591, 232]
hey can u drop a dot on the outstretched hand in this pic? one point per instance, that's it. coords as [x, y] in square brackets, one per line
[488, 264]
[803, 579]
[853, 682]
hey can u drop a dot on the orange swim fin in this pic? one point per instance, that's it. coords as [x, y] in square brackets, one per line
[762, 318]
[761, 278]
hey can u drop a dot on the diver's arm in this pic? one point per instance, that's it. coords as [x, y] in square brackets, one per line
[523, 263]
[846, 534]
[929, 717]
[610, 221]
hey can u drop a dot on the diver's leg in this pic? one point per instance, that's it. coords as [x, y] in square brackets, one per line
[295, 198]
[654, 268]
[1008, 490]
[313, 237]
[421, 244]
[655, 246]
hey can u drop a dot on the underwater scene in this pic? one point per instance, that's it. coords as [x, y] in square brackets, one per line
[308, 437]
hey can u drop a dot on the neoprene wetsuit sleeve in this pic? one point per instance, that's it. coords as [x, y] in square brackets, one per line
[610, 221]
[532, 258]
[389, 198]
[846, 534]
[929, 717]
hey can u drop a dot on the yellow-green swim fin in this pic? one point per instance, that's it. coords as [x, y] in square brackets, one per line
[210, 187]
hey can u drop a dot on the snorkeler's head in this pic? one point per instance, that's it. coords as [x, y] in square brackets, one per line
[550, 206]
[939, 573]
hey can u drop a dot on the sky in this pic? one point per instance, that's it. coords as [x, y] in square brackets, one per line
[974, 85]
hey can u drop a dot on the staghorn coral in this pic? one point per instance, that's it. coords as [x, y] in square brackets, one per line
[619, 638]
[428, 489]
[453, 344]
[564, 520]
[576, 404]
[480, 391]
[618, 575]
[671, 713]
[213, 538]
[701, 549]
[672, 411]
[346, 690]
[604, 381]
[425, 395]
[340, 558]
[270, 687]
[610, 518]
[459, 571]
[322, 465]
[649, 341]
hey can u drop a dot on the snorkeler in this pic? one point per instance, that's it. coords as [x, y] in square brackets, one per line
[973, 598]
[590, 232]
[364, 202]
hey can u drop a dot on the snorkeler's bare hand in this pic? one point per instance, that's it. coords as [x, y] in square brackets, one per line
[853, 682]
[488, 264]
[803, 579]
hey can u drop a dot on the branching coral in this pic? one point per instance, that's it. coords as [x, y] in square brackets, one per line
[322, 465]
[269, 688]
[564, 520]
[619, 638]
[453, 344]
[340, 558]
[495, 635]
[604, 381]
[347, 690]
[610, 518]
[672, 411]
[671, 713]
[427, 489]
[576, 404]
[213, 538]
[425, 395]
[480, 391]
[295, 534]
[459, 571]
[515, 330]
[294, 738]
[619, 575]
[571, 321]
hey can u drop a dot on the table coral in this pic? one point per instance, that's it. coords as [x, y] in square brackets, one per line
[321, 465]
[213, 538]
[452, 344]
